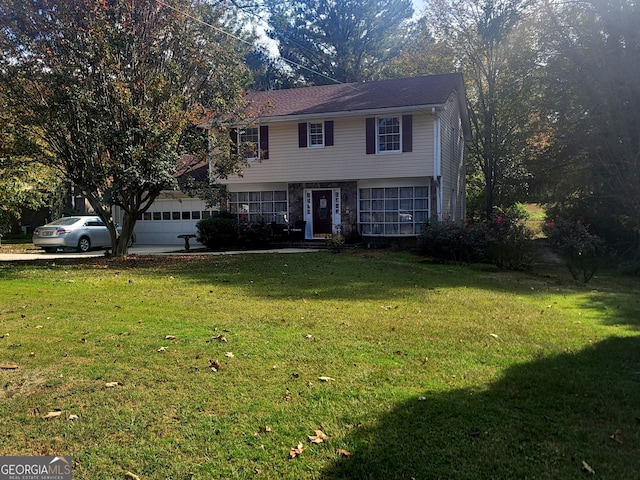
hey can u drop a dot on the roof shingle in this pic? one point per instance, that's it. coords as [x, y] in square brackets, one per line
[429, 90]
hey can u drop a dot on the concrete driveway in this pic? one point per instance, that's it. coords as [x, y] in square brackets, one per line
[139, 250]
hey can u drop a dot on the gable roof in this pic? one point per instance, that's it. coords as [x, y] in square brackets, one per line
[432, 90]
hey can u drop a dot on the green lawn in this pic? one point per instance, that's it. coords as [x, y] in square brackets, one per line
[436, 372]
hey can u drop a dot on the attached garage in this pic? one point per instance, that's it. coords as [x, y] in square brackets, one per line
[169, 217]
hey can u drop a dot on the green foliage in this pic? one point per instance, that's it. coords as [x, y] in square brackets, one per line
[219, 231]
[504, 241]
[254, 234]
[347, 41]
[104, 92]
[583, 251]
[335, 242]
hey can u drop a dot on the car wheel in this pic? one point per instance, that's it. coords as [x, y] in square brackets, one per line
[84, 245]
[51, 249]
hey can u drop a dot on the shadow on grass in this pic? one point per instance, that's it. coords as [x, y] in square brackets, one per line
[541, 421]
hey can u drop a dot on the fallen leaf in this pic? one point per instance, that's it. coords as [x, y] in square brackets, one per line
[287, 396]
[73, 417]
[265, 429]
[387, 307]
[4, 335]
[8, 367]
[494, 336]
[170, 337]
[52, 415]
[326, 379]
[587, 468]
[162, 349]
[343, 452]
[422, 399]
[616, 436]
[38, 326]
[296, 451]
[319, 437]
[112, 384]
[308, 335]
[132, 476]
[473, 432]
[220, 338]
[214, 365]
[228, 354]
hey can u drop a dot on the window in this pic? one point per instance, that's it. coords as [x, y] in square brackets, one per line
[316, 135]
[393, 210]
[389, 134]
[268, 206]
[249, 143]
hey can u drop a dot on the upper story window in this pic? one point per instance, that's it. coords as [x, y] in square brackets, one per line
[316, 134]
[249, 143]
[252, 143]
[389, 134]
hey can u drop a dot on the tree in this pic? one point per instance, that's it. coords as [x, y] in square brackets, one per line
[345, 41]
[495, 49]
[591, 164]
[421, 54]
[108, 92]
[25, 184]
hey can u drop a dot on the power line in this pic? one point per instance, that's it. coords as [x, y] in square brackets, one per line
[242, 40]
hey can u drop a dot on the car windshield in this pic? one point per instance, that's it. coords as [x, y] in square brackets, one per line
[65, 221]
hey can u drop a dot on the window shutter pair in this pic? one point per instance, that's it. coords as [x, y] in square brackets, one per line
[264, 142]
[303, 134]
[407, 134]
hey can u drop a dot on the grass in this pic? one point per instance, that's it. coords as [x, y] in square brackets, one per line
[438, 371]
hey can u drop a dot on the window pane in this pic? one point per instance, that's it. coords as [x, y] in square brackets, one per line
[206, 214]
[377, 193]
[422, 192]
[195, 215]
[166, 215]
[157, 215]
[365, 193]
[406, 192]
[175, 215]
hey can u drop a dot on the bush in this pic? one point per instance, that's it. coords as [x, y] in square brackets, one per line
[219, 231]
[583, 251]
[504, 241]
[452, 242]
[509, 242]
[254, 235]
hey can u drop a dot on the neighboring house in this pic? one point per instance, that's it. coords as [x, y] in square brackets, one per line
[376, 158]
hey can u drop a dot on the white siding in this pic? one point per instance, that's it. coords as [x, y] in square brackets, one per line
[345, 160]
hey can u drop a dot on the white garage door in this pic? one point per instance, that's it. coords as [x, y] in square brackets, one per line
[168, 218]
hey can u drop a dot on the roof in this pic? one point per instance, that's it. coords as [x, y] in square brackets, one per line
[432, 90]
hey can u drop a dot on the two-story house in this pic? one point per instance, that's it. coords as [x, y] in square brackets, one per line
[380, 158]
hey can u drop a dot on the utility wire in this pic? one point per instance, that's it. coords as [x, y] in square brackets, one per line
[242, 40]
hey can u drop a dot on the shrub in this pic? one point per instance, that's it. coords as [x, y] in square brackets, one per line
[254, 234]
[504, 241]
[452, 242]
[509, 242]
[583, 251]
[218, 231]
[335, 242]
